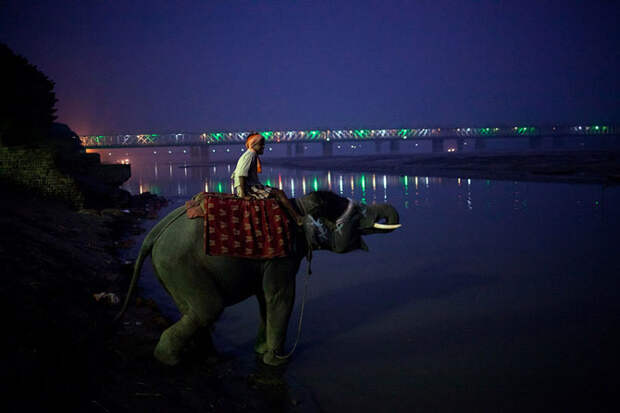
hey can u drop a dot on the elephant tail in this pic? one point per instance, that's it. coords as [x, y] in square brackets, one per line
[145, 251]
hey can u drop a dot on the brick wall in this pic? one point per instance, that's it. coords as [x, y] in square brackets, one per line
[35, 169]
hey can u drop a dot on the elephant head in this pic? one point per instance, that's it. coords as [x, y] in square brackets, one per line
[338, 224]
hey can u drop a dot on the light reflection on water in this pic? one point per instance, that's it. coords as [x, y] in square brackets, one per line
[484, 279]
[404, 192]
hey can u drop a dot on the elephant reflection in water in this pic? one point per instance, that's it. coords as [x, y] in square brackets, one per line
[202, 285]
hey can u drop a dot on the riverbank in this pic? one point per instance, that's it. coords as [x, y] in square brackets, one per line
[63, 349]
[582, 166]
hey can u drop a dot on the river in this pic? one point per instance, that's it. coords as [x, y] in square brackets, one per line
[493, 294]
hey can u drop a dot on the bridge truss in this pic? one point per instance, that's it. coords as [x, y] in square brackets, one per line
[329, 135]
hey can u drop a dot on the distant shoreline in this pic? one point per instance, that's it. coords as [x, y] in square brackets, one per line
[582, 166]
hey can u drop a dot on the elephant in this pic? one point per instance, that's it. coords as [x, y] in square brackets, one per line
[203, 285]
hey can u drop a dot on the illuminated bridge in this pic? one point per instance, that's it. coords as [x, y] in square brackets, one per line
[326, 137]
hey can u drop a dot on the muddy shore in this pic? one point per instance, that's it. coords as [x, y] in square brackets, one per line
[64, 351]
[583, 166]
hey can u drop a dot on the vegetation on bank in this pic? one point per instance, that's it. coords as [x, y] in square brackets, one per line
[27, 107]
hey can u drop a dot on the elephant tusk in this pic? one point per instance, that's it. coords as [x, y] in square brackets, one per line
[386, 226]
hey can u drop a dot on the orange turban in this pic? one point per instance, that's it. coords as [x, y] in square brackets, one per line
[252, 139]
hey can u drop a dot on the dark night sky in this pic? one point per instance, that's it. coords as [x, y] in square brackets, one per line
[163, 66]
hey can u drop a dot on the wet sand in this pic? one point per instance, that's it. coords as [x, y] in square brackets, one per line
[550, 166]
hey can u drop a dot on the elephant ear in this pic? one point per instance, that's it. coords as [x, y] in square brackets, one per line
[313, 204]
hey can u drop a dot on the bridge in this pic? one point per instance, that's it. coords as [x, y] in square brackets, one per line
[328, 136]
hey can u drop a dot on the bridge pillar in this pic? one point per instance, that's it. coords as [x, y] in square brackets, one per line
[289, 149]
[535, 142]
[328, 148]
[378, 146]
[194, 151]
[437, 145]
[299, 148]
[460, 145]
[480, 144]
[394, 145]
[199, 151]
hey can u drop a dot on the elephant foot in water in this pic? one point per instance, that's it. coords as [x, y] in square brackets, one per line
[261, 347]
[271, 359]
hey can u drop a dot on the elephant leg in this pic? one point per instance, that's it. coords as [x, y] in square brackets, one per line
[279, 292]
[260, 346]
[201, 304]
[173, 339]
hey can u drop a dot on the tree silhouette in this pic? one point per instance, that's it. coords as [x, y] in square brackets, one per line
[26, 103]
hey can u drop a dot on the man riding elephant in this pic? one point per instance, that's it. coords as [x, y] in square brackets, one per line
[202, 285]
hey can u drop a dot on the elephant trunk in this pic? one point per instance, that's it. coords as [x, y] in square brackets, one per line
[381, 218]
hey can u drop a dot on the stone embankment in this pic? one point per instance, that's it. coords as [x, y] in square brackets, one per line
[78, 179]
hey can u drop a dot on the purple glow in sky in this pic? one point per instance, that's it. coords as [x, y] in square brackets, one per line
[164, 66]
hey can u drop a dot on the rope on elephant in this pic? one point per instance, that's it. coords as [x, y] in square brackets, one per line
[301, 316]
[301, 313]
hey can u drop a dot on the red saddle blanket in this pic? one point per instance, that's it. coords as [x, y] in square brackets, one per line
[241, 228]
